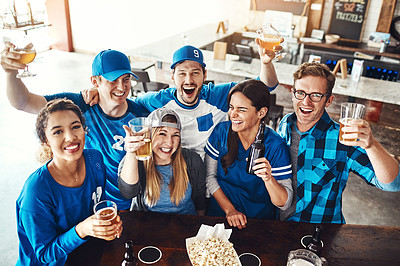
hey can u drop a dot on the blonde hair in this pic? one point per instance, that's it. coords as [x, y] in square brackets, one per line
[179, 181]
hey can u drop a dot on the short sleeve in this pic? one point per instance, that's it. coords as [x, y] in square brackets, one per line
[213, 144]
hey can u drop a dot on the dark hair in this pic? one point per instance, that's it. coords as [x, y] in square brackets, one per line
[51, 107]
[202, 67]
[258, 93]
[316, 70]
[170, 118]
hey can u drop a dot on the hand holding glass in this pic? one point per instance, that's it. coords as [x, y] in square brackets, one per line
[106, 210]
[351, 114]
[27, 53]
[269, 38]
[142, 126]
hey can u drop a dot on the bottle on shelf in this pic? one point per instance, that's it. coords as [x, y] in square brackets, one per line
[129, 258]
[257, 148]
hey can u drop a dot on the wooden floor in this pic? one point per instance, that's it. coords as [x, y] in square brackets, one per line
[59, 71]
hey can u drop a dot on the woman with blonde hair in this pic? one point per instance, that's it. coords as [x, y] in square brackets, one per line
[173, 179]
[55, 208]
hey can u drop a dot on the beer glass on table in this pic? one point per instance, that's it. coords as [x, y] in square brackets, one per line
[351, 114]
[25, 48]
[303, 257]
[142, 126]
[269, 38]
[106, 210]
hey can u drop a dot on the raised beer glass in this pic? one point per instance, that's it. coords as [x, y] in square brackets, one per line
[24, 47]
[142, 126]
[269, 38]
[351, 114]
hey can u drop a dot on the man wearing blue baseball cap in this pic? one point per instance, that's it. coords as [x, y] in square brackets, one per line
[201, 107]
[111, 75]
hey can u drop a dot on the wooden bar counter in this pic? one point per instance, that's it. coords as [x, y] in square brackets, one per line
[271, 241]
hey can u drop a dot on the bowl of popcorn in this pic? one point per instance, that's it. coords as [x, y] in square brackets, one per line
[211, 247]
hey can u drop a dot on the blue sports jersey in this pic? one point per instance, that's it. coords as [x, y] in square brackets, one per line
[247, 192]
[198, 121]
[48, 212]
[106, 134]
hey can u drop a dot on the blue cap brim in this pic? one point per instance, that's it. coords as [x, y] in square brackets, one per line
[111, 76]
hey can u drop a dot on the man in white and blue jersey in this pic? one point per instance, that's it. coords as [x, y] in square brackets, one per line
[111, 75]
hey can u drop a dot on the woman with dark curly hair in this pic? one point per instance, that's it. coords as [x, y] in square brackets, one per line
[55, 207]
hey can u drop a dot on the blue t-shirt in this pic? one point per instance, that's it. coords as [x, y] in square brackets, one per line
[247, 192]
[106, 134]
[164, 203]
[198, 121]
[48, 212]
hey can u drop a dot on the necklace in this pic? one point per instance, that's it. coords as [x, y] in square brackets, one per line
[61, 177]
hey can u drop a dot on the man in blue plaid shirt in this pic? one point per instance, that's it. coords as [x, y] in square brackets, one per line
[320, 164]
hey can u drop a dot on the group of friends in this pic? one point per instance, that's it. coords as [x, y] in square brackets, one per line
[201, 135]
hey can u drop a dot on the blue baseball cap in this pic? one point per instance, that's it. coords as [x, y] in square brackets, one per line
[187, 52]
[111, 64]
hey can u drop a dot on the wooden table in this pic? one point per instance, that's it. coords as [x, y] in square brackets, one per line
[271, 241]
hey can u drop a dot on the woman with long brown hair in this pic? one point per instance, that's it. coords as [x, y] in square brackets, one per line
[236, 193]
[173, 179]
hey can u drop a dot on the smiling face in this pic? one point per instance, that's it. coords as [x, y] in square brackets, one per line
[308, 112]
[188, 78]
[165, 142]
[244, 116]
[65, 135]
[113, 93]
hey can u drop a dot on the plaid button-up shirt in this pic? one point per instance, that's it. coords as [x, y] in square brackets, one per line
[323, 169]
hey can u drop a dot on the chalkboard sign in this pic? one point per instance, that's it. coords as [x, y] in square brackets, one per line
[348, 17]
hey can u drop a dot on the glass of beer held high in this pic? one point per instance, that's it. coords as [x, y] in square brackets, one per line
[142, 126]
[351, 114]
[270, 37]
[106, 210]
[27, 52]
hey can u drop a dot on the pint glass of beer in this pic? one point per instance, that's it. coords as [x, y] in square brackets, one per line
[106, 210]
[351, 114]
[142, 126]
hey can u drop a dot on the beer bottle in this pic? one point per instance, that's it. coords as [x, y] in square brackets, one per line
[257, 148]
[315, 244]
[129, 257]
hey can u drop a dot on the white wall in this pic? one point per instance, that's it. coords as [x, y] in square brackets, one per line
[127, 24]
